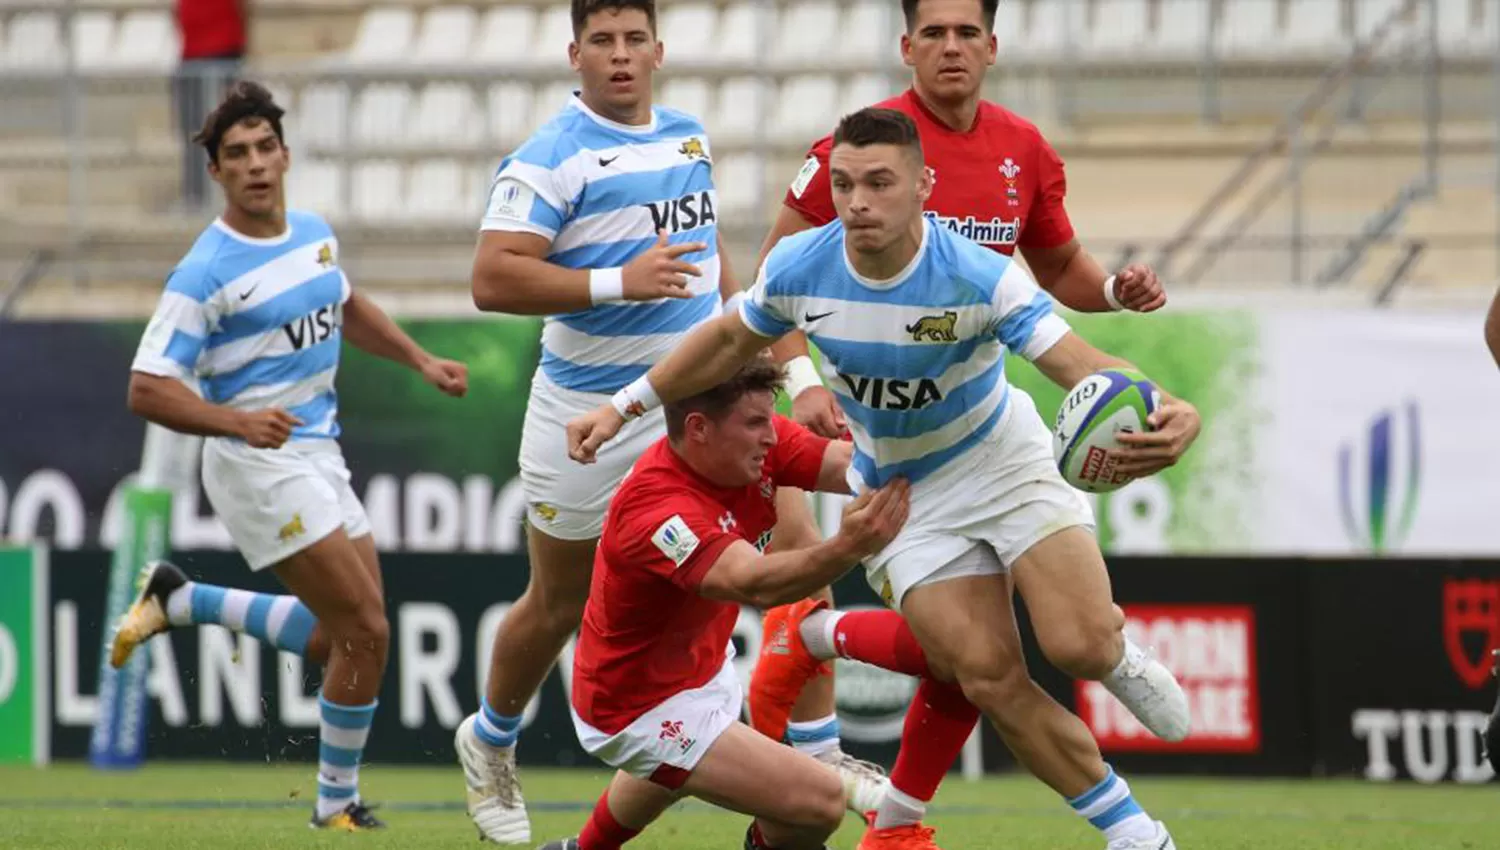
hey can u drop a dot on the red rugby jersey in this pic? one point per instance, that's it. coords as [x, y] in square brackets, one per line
[999, 183]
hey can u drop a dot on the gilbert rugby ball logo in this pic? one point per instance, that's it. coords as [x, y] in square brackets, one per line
[1379, 476]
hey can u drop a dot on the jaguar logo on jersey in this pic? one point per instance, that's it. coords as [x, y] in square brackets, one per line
[1379, 477]
[295, 528]
[693, 149]
[325, 256]
[935, 328]
[893, 393]
[1471, 627]
[684, 213]
[1211, 650]
[315, 327]
[997, 232]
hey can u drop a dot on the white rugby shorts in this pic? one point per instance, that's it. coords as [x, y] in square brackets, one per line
[277, 502]
[566, 499]
[1004, 494]
[667, 742]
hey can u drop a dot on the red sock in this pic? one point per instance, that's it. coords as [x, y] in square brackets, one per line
[938, 724]
[603, 832]
[881, 638]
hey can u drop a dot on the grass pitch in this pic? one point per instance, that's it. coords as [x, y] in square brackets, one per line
[244, 806]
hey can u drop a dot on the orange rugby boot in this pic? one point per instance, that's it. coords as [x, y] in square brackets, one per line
[783, 668]
[910, 837]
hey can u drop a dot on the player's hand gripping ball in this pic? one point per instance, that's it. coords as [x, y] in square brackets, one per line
[1100, 406]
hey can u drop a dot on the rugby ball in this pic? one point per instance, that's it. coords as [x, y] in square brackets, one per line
[1102, 405]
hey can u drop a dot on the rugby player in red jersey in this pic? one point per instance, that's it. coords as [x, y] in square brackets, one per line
[654, 692]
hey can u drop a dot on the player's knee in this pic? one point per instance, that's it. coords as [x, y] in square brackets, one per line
[1002, 695]
[1087, 650]
[821, 809]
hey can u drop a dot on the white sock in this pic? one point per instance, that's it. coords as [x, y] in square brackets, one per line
[898, 809]
[817, 633]
[180, 605]
[814, 737]
[1133, 657]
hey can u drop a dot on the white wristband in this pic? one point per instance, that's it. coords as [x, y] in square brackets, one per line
[733, 304]
[1109, 295]
[606, 285]
[636, 399]
[801, 374]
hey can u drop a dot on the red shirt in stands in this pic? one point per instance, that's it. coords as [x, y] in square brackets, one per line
[999, 183]
[647, 634]
[211, 29]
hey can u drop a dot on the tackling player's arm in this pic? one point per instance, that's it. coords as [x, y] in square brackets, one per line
[741, 574]
[371, 330]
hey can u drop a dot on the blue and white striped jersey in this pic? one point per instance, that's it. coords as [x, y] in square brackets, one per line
[918, 361]
[600, 191]
[257, 321]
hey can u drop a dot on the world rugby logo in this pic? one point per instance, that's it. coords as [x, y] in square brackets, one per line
[1379, 476]
[871, 702]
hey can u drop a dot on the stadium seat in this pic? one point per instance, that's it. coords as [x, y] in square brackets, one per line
[863, 90]
[1051, 28]
[381, 116]
[805, 108]
[1315, 27]
[447, 115]
[1118, 27]
[868, 32]
[93, 38]
[502, 32]
[322, 116]
[316, 185]
[377, 190]
[735, 178]
[1182, 29]
[447, 32]
[739, 33]
[554, 32]
[34, 41]
[688, 32]
[436, 191]
[510, 114]
[807, 33]
[1457, 33]
[385, 35]
[147, 40]
[739, 107]
[1369, 14]
[1248, 29]
[690, 95]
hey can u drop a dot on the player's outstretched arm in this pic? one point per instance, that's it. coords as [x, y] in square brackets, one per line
[510, 275]
[169, 403]
[369, 329]
[1174, 426]
[709, 356]
[1072, 275]
[743, 575]
[833, 476]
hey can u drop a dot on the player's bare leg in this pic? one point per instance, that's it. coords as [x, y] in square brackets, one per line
[1066, 587]
[967, 628]
[526, 646]
[798, 811]
[335, 583]
[812, 725]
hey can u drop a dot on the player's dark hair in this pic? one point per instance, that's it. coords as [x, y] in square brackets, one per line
[582, 9]
[990, 8]
[759, 375]
[872, 126]
[247, 102]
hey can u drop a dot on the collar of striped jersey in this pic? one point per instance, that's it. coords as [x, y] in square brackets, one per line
[576, 101]
[224, 228]
[901, 276]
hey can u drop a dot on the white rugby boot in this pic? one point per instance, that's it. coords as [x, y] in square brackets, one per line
[1162, 840]
[1146, 687]
[864, 783]
[494, 792]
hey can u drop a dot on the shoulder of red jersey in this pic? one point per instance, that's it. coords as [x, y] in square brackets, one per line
[998, 116]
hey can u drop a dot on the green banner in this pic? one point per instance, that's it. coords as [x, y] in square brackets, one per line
[24, 720]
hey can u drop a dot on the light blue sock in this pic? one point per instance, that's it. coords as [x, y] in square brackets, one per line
[1113, 811]
[282, 621]
[496, 729]
[814, 737]
[342, 733]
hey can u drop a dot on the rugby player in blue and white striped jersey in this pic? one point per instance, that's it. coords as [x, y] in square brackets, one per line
[255, 315]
